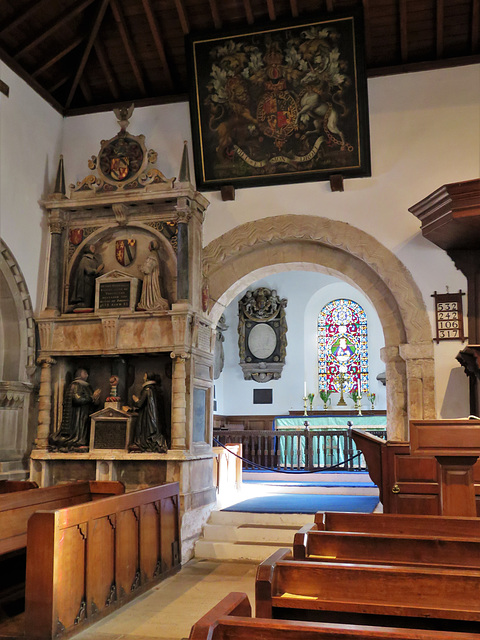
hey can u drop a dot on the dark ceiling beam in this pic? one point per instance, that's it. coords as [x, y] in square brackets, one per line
[368, 37]
[426, 65]
[154, 28]
[21, 16]
[127, 43]
[217, 21]
[86, 53]
[248, 11]
[475, 26]
[106, 69]
[63, 80]
[271, 10]
[139, 102]
[182, 16]
[440, 20]
[65, 17]
[294, 8]
[85, 90]
[61, 54]
[36, 86]
[403, 31]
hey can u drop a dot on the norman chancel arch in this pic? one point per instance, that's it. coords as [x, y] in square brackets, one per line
[314, 243]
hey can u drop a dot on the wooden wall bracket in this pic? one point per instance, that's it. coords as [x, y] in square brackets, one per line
[336, 182]
[228, 192]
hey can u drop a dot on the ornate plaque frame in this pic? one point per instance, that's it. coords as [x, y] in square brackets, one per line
[262, 311]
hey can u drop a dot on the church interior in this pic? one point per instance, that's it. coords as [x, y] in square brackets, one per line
[239, 319]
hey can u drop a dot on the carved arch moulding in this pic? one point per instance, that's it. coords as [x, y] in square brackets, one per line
[17, 297]
[313, 243]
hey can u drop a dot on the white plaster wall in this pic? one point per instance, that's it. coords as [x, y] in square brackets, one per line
[425, 132]
[30, 144]
[307, 293]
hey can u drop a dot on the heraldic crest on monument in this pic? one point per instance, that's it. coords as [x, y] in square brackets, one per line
[123, 163]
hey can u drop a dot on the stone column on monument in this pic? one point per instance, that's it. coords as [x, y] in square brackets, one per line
[183, 280]
[55, 264]
[420, 380]
[179, 401]
[44, 402]
[397, 423]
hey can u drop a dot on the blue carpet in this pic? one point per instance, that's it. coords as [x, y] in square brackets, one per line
[281, 483]
[294, 503]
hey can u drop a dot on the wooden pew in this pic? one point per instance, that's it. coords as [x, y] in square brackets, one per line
[384, 595]
[17, 507]
[10, 486]
[379, 548]
[86, 560]
[230, 620]
[438, 526]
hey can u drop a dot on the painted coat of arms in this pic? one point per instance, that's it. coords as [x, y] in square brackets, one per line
[125, 251]
[280, 105]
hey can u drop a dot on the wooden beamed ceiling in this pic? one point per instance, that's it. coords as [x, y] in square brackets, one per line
[87, 55]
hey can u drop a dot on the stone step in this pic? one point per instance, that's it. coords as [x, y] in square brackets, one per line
[250, 533]
[210, 550]
[252, 537]
[238, 518]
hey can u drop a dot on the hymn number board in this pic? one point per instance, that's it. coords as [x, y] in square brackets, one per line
[449, 316]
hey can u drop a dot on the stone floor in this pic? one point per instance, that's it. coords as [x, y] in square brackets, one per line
[169, 610]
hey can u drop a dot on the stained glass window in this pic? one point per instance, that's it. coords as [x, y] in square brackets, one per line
[343, 347]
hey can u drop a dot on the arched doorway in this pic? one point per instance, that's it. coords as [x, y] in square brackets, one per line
[17, 365]
[235, 259]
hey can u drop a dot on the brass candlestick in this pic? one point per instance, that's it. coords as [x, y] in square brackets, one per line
[305, 412]
[358, 404]
[341, 380]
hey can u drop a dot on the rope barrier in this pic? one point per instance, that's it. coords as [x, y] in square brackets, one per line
[291, 471]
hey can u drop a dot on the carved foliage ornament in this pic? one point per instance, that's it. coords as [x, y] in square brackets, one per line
[262, 334]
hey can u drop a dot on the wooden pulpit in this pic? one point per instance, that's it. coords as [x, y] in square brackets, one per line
[456, 446]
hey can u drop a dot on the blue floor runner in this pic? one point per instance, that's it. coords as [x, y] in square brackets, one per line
[281, 483]
[294, 503]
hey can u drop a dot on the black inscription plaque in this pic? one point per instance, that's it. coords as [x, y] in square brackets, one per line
[114, 295]
[110, 434]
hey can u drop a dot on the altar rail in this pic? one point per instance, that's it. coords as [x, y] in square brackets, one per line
[297, 449]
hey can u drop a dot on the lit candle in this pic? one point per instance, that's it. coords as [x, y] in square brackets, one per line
[304, 389]
[358, 387]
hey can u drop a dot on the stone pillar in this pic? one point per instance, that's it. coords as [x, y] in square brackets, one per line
[44, 402]
[420, 380]
[55, 265]
[183, 280]
[397, 424]
[179, 401]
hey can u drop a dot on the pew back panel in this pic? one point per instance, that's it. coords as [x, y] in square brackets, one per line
[86, 560]
[16, 508]
[341, 546]
[10, 486]
[415, 592]
[390, 523]
[230, 620]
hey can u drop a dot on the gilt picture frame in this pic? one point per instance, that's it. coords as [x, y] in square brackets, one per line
[279, 103]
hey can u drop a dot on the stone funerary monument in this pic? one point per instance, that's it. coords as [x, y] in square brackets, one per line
[126, 350]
